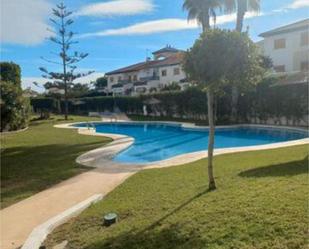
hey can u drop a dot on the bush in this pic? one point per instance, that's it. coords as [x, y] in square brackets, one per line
[14, 107]
[10, 72]
[261, 103]
[45, 106]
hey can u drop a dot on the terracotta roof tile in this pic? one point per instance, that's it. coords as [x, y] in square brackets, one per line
[171, 60]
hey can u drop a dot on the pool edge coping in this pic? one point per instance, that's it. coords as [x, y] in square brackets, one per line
[102, 156]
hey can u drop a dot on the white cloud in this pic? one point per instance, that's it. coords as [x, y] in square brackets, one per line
[24, 21]
[89, 78]
[296, 4]
[162, 25]
[150, 27]
[117, 8]
[27, 82]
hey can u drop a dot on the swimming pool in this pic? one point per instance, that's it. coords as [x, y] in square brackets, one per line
[159, 141]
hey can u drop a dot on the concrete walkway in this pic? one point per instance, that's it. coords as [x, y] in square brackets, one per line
[18, 220]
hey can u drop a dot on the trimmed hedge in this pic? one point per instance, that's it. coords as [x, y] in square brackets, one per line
[266, 101]
[45, 106]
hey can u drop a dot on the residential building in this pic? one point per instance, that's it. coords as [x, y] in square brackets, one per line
[288, 47]
[150, 75]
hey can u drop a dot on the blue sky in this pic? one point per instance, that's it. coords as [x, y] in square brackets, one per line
[117, 33]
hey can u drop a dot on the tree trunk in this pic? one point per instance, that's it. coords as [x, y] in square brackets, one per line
[206, 22]
[234, 111]
[211, 139]
[66, 104]
[64, 64]
[240, 14]
[239, 24]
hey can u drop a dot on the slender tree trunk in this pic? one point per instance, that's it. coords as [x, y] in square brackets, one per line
[234, 111]
[206, 21]
[240, 19]
[235, 93]
[66, 106]
[211, 140]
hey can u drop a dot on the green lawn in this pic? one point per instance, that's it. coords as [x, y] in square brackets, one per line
[41, 156]
[261, 202]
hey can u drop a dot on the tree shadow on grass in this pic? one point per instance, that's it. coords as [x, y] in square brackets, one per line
[283, 169]
[170, 237]
[155, 236]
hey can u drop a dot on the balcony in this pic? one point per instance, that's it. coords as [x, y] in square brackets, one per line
[149, 78]
[125, 81]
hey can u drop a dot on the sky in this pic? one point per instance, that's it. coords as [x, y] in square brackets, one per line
[117, 33]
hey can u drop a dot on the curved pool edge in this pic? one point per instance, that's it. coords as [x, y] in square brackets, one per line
[102, 157]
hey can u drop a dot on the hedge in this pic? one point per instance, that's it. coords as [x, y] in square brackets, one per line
[45, 104]
[266, 101]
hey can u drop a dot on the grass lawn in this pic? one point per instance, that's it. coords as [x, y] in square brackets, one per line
[261, 202]
[41, 156]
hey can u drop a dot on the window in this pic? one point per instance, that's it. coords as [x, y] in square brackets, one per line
[304, 66]
[176, 71]
[130, 78]
[164, 72]
[304, 39]
[135, 78]
[119, 78]
[279, 43]
[111, 79]
[279, 68]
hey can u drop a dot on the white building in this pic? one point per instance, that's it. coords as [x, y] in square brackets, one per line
[149, 76]
[288, 47]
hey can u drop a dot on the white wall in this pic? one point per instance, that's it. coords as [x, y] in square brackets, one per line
[170, 77]
[291, 56]
[163, 80]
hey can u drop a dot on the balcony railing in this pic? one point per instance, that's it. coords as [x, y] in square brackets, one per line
[149, 78]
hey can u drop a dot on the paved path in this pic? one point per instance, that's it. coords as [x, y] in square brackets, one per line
[18, 220]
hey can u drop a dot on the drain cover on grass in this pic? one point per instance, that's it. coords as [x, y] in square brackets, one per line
[110, 219]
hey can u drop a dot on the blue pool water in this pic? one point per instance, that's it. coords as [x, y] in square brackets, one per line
[155, 142]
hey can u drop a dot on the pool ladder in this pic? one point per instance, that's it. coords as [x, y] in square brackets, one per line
[90, 125]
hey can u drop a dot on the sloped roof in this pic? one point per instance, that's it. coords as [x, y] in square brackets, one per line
[127, 69]
[166, 49]
[170, 60]
[300, 25]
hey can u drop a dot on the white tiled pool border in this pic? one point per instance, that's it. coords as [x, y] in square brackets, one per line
[103, 156]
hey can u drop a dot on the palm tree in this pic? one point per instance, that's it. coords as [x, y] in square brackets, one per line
[241, 7]
[202, 11]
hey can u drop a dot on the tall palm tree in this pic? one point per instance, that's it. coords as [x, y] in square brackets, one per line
[241, 7]
[202, 11]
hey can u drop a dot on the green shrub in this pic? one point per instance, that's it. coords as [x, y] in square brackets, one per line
[14, 107]
[45, 106]
[265, 101]
[10, 72]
